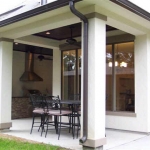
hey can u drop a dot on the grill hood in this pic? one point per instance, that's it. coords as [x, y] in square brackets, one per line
[29, 74]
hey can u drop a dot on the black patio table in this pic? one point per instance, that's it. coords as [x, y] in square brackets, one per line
[74, 104]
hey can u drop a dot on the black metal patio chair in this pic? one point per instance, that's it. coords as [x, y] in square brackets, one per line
[39, 110]
[76, 113]
[55, 110]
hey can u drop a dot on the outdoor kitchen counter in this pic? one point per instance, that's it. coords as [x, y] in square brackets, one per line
[21, 108]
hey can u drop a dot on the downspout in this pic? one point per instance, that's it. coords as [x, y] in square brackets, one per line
[85, 70]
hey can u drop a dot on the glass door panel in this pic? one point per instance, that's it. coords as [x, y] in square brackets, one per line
[68, 73]
[109, 77]
[71, 74]
[79, 57]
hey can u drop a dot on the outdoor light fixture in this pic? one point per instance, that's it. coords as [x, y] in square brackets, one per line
[47, 33]
[122, 64]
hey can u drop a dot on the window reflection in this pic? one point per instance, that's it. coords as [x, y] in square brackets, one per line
[69, 59]
[71, 73]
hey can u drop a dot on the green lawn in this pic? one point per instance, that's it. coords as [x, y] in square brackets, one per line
[10, 144]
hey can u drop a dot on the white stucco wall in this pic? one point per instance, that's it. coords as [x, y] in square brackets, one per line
[42, 68]
[141, 121]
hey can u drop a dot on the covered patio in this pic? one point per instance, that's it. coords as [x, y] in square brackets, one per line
[130, 26]
[116, 139]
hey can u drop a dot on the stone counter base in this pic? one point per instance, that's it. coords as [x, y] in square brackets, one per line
[21, 108]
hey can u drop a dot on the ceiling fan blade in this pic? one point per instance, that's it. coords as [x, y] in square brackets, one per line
[41, 57]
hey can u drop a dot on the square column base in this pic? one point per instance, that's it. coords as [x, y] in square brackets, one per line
[94, 143]
[89, 148]
[5, 125]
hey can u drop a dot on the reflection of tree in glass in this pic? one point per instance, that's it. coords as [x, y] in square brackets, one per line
[69, 62]
[125, 56]
[121, 57]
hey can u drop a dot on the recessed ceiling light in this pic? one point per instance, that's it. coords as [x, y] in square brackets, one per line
[16, 43]
[47, 32]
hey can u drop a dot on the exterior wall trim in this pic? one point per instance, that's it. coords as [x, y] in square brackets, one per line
[96, 15]
[5, 125]
[121, 113]
[120, 38]
[95, 143]
[6, 40]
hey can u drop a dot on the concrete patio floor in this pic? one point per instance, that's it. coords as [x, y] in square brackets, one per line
[116, 139]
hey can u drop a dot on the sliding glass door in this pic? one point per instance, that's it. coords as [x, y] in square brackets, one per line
[71, 73]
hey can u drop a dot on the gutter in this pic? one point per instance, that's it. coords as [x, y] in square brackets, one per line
[85, 70]
[133, 8]
[39, 10]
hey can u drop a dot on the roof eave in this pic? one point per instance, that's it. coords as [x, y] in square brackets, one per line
[36, 11]
[133, 8]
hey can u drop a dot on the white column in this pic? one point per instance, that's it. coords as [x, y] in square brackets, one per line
[142, 82]
[148, 93]
[96, 82]
[56, 72]
[6, 52]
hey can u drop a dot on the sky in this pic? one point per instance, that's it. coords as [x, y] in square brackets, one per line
[7, 5]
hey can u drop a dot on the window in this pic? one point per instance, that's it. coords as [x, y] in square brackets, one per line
[120, 77]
